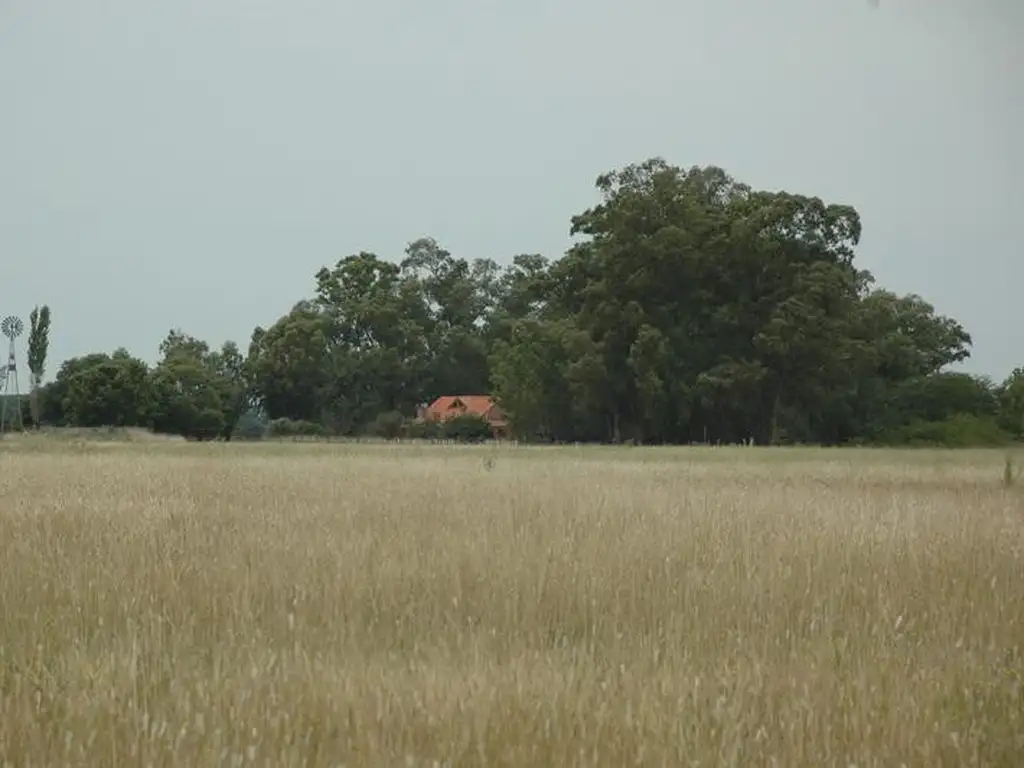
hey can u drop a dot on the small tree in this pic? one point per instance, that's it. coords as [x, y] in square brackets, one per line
[38, 348]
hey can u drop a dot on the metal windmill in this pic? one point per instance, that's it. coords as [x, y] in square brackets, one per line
[12, 327]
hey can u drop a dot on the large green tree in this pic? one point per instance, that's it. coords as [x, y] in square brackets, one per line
[720, 312]
[198, 392]
[459, 298]
[710, 302]
[289, 364]
[103, 390]
[377, 340]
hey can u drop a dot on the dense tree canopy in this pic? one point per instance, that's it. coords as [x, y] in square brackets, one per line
[691, 308]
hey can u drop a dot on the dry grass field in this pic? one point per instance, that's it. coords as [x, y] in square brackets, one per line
[317, 605]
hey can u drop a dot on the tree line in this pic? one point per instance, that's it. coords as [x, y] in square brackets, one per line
[690, 308]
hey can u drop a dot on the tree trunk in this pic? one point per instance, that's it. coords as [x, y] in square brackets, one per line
[776, 407]
[33, 406]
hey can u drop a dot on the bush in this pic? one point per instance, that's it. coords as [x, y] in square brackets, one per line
[466, 429]
[423, 430]
[295, 428]
[388, 425]
[959, 431]
[250, 427]
[208, 424]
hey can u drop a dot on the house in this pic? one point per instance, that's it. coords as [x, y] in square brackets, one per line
[451, 406]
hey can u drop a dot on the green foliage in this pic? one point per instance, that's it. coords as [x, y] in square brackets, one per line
[466, 428]
[38, 348]
[423, 430]
[251, 426]
[101, 390]
[285, 427]
[187, 400]
[390, 425]
[1010, 397]
[691, 308]
[959, 431]
[942, 395]
[38, 342]
[198, 393]
[530, 372]
[289, 365]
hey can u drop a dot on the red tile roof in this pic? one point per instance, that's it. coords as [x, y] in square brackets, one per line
[453, 405]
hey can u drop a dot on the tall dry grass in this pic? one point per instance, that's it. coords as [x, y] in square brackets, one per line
[191, 605]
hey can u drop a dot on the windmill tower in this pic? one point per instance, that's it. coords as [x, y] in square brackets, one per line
[10, 412]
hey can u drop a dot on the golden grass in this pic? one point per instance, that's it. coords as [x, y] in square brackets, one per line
[318, 605]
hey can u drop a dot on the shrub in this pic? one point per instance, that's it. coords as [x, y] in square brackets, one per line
[207, 425]
[423, 430]
[467, 428]
[295, 428]
[388, 425]
[250, 426]
[959, 431]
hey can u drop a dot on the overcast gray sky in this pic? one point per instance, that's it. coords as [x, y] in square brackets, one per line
[193, 162]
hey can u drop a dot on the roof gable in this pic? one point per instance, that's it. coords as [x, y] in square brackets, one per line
[477, 405]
